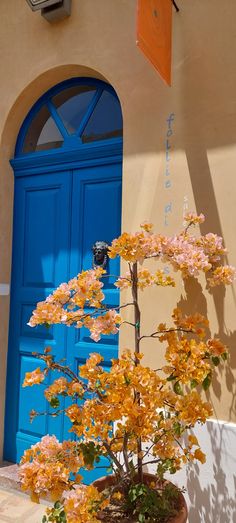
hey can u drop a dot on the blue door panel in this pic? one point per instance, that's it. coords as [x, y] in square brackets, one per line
[41, 239]
[33, 401]
[40, 257]
[96, 211]
[98, 217]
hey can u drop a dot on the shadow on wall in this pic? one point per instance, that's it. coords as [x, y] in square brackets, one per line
[214, 500]
[203, 192]
[208, 123]
[195, 301]
[229, 339]
[211, 488]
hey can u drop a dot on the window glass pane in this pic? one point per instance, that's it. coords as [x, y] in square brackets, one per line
[72, 104]
[43, 133]
[106, 120]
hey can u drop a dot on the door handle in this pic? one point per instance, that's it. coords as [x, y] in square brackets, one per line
[100, 254]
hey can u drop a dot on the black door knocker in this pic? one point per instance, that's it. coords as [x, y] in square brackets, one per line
[100, 256]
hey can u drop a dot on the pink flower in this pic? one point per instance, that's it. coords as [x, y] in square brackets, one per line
[193, 218]
[104, 324]
[225, 275]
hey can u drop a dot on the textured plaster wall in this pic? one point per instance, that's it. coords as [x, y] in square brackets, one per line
[99, 40]
[210, 489]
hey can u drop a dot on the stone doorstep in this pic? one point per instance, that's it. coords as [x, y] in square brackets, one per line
[9, 480]
[9, 476]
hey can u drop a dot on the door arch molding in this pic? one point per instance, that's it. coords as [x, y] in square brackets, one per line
[74, 91]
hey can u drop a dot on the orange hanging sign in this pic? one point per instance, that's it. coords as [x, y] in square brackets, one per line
[154, 30]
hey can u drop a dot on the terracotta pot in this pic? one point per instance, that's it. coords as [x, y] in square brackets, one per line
[108, 481]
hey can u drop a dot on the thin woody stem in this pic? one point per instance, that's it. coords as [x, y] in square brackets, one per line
[125, 452]
[137, 313]
[129, 323]
[113, 456]
[152, 461]
[99, 312]
[57, 366]
[157, 334]
[137, 319]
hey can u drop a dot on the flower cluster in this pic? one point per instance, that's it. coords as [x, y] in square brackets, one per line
[146, 279]
[46, 467]
[192, 409]
[33, 378]
[224, 275]
[62, 386]
[81, 504]
[141, 414]
[107, 323]
[185, 252]
[139, 401]
[190, 359]
[130, 414]
[62, 305]
[191, 218]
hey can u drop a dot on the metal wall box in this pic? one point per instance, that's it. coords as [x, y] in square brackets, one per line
[52, 10]
[57, 12]
[40, 4]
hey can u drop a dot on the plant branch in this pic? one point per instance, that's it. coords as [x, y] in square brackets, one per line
[137, 320]
[129, 323]
[157, 334]
[152, 461]
[113, 456]
[125, 452]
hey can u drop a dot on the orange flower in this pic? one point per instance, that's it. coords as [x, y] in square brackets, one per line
[200, 456]
[33, 378]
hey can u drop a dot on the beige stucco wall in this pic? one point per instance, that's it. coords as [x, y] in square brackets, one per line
[99, 40]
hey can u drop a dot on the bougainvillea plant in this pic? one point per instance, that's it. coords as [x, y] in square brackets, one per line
[133, 415]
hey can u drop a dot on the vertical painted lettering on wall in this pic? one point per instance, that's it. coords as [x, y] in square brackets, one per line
[168, 206]
[185, 207]
[168, 182]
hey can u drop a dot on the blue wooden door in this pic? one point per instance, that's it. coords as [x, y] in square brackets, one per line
[57, 218]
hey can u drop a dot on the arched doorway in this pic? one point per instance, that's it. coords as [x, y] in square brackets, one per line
[68, 178]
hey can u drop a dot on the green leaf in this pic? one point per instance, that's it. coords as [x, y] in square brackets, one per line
[136, 491]
[54, 402]
[44, 520]
[215, 360]
[127, 380]
[178, 389]
[141, 518]
[206, 382]
[171, 377]
[224, 356]
[91, 452]
[193, 384]
[178, 428]
[97, 384]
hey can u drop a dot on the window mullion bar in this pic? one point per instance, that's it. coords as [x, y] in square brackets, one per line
[89, 111]
[57, 119]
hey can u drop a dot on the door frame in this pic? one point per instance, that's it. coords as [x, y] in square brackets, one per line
[94, 155]
[109, 151]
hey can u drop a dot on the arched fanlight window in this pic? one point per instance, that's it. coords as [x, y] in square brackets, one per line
[73, 114]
